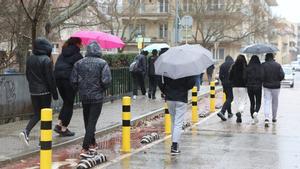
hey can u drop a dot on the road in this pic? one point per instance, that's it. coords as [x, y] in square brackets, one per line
[213, 144]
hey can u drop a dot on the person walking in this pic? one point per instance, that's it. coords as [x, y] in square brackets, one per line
[209, 72]
[236, 77]
[254, 78]
[138, 71]
[227, 87]
[273, 75]
[151, 75]
[63, 68]
[41, 82]
[91, 76]
[176, 95]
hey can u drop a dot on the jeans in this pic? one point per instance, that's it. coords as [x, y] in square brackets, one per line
[198, 82]
[254, 94]
[138, 80]
[240, 98]
[67, 94]
[229, 97]
[38, 103]
[152, 85]
[271, 102]
[91, 113]
[177, 111]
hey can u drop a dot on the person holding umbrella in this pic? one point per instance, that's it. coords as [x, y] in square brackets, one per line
[151, 75]
[236, 77]
[63, 68]
[254, 79]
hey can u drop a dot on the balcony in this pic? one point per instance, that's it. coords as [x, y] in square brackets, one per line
[147, 11]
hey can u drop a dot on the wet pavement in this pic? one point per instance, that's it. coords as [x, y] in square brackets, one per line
[213, 144]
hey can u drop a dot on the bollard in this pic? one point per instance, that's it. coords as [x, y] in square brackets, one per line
[46, 139]
[195, 117]
[212, 97]
[224, 97]
[126, 116]
[167, 120]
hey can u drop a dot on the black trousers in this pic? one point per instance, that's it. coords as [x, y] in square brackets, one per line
[254, 94]
[152, 85]
[91, 113]
[67, 94]
[229, 97]
[38, 103]
[138, 80]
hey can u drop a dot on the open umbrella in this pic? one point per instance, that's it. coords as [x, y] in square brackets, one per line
[259, 49]
[156, 46]
[183, 61]
[105, 40]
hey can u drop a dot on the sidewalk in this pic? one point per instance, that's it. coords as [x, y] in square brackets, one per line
[11, 146]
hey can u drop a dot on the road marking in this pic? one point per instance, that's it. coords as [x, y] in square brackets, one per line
[118, 159]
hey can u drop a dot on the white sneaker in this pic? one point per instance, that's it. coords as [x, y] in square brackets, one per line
[255, 114]
[24, 137]
[134, 97]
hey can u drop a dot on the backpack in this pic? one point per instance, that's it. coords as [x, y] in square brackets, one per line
[134, 65]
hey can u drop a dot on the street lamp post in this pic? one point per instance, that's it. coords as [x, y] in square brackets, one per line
[176, 22]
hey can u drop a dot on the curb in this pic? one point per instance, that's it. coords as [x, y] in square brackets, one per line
[101, 132]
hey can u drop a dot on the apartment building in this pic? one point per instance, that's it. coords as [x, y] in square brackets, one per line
[224, 26]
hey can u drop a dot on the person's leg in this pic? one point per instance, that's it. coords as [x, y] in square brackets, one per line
[94, 113]
[237, 96]
[141, 82]
[229, 97]
[154, 87]
[251, 94]
[267, 102]
[197, 79]
[69, 96]
[150, 79]
[275, 96]
[258, 93]
[86, 112]
[172, 110]
[134, 84]
[243, 99]
[60, 87]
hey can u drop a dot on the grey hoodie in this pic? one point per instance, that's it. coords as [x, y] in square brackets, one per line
[91, 75]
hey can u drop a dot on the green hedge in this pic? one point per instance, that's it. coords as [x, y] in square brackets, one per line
[119, 60]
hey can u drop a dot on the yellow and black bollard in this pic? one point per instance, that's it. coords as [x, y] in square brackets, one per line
[195, 117]
[126, 116]
[46, 139]
[167, 120]
[212, 97]
[224, 97]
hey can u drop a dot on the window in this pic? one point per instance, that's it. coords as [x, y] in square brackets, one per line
[140, 29]
[220, 55]
[186, 5]
[215, 4]
[163, 31]
[163, 5]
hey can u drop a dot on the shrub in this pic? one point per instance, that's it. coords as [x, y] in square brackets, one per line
[119, 60]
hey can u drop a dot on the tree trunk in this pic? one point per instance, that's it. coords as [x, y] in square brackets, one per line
[22, 52]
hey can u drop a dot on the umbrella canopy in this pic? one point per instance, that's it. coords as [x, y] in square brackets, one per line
[156, 46]
[259, 49]
[183, 61]
[105, 40]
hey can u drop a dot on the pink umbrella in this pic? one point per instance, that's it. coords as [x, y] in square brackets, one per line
[105, 40]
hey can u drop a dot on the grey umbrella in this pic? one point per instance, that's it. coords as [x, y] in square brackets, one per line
[259, 49]
[183, 61]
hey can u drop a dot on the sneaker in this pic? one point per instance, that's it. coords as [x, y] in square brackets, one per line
[266, 123]
[174, 149]
[274, 120]
[255, 114]
[24, 137]
[134, 97]
[57, 129]
[87, 154]
[149, 95]
[67, 133]
[238, 117]
[221, 115]
[230, 115]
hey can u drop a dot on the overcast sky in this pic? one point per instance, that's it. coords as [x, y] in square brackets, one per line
[289, 9]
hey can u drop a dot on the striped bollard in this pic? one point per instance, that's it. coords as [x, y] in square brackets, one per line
[167, 120]
[46, 139]
[224, 97]
[195, 117]
[126, 116]
[212, 97]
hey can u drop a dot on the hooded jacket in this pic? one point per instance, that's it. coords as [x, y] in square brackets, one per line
[224, 71]
[91, 75]
[151, 67]
[177, 90]
[236, 75]
[254, 75]
[273, 74]
[39, 72]
[65, 62]
[142, 64]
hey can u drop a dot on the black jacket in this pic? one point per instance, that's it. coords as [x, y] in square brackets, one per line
[273, 74]
[66, 61]
[91, 76]
[177, 90]
[224, 71]
[39, 72]
[236, 76]
[254, 75]
[151, 68]
[142, 64]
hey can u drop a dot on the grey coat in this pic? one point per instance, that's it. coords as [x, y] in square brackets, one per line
[91, 76]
